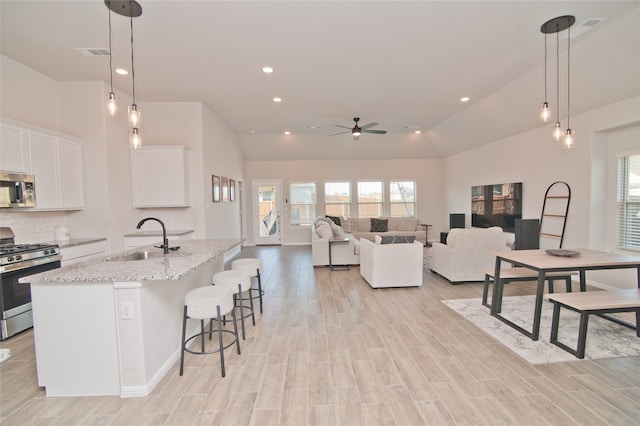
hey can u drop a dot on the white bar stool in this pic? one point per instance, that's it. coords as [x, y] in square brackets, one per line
[238, 281]
[209, 303]
[254, 266]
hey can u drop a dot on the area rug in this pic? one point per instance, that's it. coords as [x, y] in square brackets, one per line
[605, 339]
[425, 258]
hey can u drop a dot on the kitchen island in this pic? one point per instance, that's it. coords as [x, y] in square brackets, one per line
[112, 326]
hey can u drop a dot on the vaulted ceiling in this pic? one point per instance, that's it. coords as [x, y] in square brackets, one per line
[402, 64]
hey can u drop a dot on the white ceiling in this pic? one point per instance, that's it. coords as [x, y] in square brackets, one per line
[394, 62]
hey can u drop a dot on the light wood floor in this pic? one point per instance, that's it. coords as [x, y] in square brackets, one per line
[330, 350]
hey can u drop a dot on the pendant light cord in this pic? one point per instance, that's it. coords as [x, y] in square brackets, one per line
[545, 67]
[558, 76]
[568, 76]
[110, 54]
[133, 72]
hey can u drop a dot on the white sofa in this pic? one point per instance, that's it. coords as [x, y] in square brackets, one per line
[467, 253]
[391, 265]
[397, 226]
[342, 253]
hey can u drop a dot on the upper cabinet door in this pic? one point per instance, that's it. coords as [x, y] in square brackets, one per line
[70, 174]
[160, 177]
[14, 149]
[44, 166]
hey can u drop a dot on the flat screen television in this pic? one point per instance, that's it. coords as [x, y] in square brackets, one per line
[496, 205]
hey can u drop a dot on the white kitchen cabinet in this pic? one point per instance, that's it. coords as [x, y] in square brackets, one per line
[14, 149]
[83, 252]
[54, 159]
[56, 163]
[160, 176]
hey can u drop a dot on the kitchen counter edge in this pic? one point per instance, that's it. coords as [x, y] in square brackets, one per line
[173, 266]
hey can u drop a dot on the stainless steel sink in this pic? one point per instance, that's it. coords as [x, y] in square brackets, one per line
[140, 255]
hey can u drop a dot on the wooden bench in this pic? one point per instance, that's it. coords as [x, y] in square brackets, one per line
[592, 302]
[522, 274]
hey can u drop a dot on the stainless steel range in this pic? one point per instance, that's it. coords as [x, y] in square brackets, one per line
[17, 261]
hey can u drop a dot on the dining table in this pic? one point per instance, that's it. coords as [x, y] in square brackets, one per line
[548, 261]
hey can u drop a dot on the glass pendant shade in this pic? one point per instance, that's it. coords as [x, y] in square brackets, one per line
[569, 139]
[134, 115]
[557, 132]
[545, 112]
[135, 139]
[111, 104]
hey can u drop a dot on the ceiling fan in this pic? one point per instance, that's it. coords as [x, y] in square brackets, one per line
[356, 131]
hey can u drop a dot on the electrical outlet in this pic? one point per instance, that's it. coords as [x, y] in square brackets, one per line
[126, 310]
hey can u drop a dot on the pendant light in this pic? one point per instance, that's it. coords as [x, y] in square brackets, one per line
[545, 113]
[552, 26]
[130, 9]
[111, 102]
[569, 138]
[134, 112]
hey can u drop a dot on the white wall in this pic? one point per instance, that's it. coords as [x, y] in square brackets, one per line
[78, 109]
[28, 96]
[221, 157]
[535, 160]
[426, 173]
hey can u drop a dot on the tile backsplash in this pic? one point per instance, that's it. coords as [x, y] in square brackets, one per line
[33, 227]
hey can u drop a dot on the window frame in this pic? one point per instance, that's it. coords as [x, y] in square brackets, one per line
[293, 204]
[627, 236]
[348, 204]
[413, 203]
[381, 203]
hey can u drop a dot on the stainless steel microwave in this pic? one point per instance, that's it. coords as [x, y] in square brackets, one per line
[17, 190]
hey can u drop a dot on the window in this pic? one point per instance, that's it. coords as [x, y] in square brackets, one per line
[337, 198]
[628, 203]
[302, 197]
[370, 199]
[402, 198]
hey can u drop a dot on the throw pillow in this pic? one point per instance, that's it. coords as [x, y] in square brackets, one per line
[335, 219]
[408, 225]
[350, 225]
[391, 239]
[379, 225]
[324, 231]
[337, 230]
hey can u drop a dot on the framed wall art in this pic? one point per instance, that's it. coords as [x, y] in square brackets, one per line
[215, 188]
[224, 187]
[232, 190]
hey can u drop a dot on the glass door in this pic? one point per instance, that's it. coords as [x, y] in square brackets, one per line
[267, 207]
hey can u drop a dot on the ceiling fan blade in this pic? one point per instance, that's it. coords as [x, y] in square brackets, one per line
[344, 127]
[377, 132]
[340, 133]
[366, 126]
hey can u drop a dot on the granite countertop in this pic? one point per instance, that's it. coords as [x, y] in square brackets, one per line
[173, 266]
[77, 242]
[158, 233]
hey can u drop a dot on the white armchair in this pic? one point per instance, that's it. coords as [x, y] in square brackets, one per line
[391, 265]
[467, 254]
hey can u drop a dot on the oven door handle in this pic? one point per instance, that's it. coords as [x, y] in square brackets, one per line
[29, 263]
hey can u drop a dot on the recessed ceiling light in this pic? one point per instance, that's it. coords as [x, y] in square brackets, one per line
[286, 132]
[267, 69]
[121, 71]
[464, 99]
[277, 99]
[417, 132]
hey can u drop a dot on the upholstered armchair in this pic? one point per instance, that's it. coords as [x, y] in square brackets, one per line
[391, 265]
[467, 254]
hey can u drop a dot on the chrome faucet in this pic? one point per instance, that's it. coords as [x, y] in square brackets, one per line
[165, 244]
